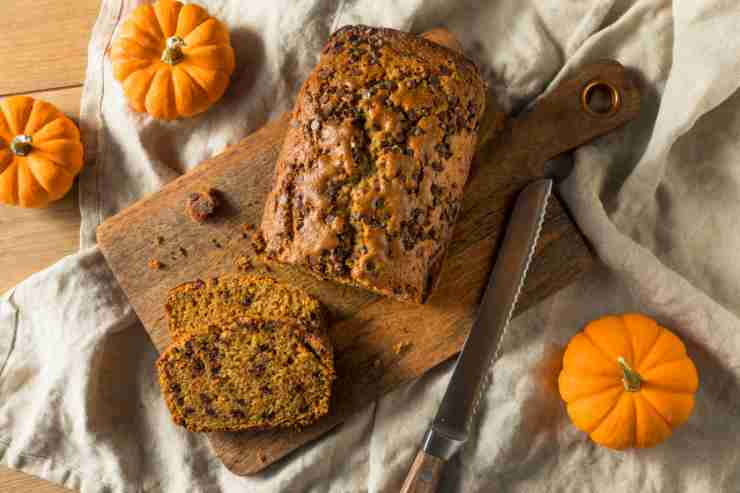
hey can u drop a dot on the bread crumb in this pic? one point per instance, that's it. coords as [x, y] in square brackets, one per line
[160, 240]
[243, 263]
[258, 242]
[246, 230]
[201, 205]
[261, 457]
[183, 252]
[401, 347]
[216, 243]
[154, 264]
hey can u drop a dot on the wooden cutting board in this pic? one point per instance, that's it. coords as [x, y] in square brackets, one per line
[380, 343]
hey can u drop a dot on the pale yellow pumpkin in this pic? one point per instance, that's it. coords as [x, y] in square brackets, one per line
[627, 381]
[173, 60]
[40, 152]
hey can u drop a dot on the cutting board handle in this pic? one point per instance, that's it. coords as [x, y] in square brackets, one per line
[600, 98]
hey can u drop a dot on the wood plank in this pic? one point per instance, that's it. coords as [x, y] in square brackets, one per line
[33, 239]
[367, 328]
[43, 44]
[14, 481]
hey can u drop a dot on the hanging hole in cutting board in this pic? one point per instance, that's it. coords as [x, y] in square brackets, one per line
[599, 98]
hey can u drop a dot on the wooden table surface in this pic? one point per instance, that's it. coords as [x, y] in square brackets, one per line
[43, 53]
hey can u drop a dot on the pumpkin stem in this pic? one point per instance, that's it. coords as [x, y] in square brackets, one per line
[172, 54]
[21, 145]
[631, 378]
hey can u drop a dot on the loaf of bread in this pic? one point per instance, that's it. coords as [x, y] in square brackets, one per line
[193, 305]
[244, 374]
[370, 177]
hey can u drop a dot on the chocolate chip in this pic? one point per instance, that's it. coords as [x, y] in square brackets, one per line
[246, 301]
[266, 390]
[258, 369]
[210, 411]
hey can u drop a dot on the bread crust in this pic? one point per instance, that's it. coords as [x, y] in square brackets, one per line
[370, 178]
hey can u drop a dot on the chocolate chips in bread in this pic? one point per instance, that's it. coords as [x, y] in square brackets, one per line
[370, 177]
[192, 305]
[244, 374]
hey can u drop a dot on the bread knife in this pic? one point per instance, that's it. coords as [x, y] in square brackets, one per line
[451, 426]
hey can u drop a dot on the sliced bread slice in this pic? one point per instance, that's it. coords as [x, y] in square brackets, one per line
[194, 305]
[245, 374]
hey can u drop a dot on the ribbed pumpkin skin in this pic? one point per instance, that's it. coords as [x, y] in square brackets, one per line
[591, 382]
[165, 90]
[54, 156]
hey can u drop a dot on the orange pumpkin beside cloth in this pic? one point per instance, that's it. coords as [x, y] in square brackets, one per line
[40, 152]
[173, 60]
[627, 381]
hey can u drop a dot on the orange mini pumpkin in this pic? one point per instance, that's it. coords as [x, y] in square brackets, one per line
[173, 60]
[40, 152]
[627, 382]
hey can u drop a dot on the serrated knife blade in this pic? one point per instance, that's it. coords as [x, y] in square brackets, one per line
[451, 426]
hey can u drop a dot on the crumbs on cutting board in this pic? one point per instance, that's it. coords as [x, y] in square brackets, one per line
[201, 205]
[154, 264]
[401, 347]
[247, 230]
[258, 242]
[243, 263]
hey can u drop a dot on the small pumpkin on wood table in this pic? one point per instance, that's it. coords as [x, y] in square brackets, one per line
[627, 381]
[40, 152]
[173, 60]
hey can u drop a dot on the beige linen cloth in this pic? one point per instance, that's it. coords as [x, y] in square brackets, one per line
[659, 200]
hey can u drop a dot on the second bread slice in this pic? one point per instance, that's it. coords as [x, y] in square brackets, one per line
[194, 305]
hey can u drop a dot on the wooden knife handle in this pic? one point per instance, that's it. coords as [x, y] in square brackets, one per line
[424, 474]
[570, 115]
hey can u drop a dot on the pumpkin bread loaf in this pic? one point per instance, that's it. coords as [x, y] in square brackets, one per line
[194, 305]
[370, 177]
[244, 374]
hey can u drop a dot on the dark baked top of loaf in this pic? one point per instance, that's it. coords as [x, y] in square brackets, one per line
[370, 178]
[245, 374]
